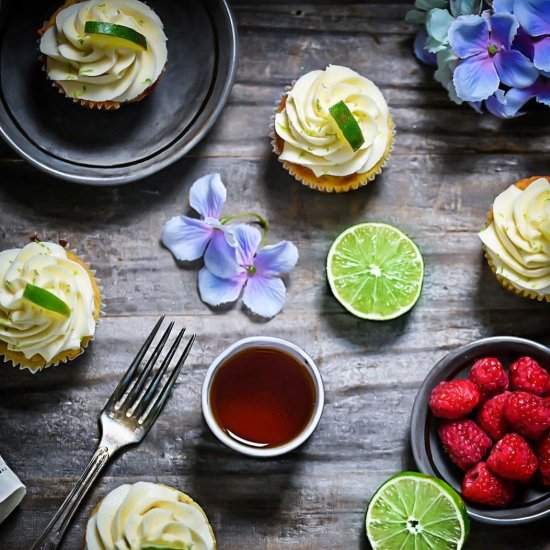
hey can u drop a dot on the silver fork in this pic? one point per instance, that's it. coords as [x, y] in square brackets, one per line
[125, 420]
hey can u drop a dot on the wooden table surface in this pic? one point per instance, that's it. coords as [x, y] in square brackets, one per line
[447, 166]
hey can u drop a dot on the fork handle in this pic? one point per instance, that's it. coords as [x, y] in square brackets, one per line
[51, 537]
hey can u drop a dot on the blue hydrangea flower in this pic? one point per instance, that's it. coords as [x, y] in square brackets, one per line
[534, 35]
[484, 46]
[508, 105]
[257, 273]
[190, 238]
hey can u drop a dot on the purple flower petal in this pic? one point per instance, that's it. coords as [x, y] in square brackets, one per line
[475, 78]
[420, 49]
[247, 240]
[508, 105]
[542, 89]
[523, 43]
[503, 6]
[221, 257]
[207, 196]
[533, 16]
[216, 291]
[503, 29]
[276, 259]
[514, 69]
[185, 237]
[264, 296]
[469, 35]
[541, 58]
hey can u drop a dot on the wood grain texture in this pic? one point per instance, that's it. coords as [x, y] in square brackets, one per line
[447, 166]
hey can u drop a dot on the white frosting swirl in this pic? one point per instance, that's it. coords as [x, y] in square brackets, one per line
[311, 136]
[518, 240]
[29, 329]
[143, 515]
[88, 71]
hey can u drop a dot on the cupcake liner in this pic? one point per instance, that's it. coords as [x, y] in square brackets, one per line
[326, 184]
[37, 363]
[88, 103]
[186, 499]
[506, 283]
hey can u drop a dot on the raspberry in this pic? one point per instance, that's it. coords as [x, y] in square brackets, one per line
[527, 375]
[489, 376]
[464, 441]
[454, 399]
[544, 459]
[482, 486]
[491, 416]
[512, 458]
[527, 414]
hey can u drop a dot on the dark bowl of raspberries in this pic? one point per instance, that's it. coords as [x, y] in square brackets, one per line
[481, 422]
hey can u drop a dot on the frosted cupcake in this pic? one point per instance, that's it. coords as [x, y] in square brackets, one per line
[49, 305]
[333, 130]
[148, 515]
[102, 53]
[517, 238]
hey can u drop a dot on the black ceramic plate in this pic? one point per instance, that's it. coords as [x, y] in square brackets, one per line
[105, 148]
[530, 504]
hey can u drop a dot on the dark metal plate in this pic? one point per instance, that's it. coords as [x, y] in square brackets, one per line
[106, 148]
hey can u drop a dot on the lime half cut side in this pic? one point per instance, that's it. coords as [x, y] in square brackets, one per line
[413, 511]
[375, 271]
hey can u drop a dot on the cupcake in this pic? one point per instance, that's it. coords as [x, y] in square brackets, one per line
[49, 305]
[333, 130]
[517, 238]
[148, 515]
[102, 53]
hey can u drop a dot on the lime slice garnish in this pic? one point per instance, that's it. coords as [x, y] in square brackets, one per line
[375, 271]
[347, 124]
[111, 35]
[46, 300]
[417, 512]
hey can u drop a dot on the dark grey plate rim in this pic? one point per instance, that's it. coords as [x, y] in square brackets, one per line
[420, 414]
[121, 175]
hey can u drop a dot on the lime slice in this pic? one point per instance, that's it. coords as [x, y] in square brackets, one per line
[46, 300]
[413, 511]
[347, 124]
[111, 35]
[375, 271]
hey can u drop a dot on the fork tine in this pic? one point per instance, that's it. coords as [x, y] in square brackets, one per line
[128, 376]
[142, 377]
[145, 400]
[165, 392]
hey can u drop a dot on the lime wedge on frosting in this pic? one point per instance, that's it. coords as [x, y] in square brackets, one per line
[46, 300]
[416, 511]
[375, 271]
[111, 35]
[347, 124]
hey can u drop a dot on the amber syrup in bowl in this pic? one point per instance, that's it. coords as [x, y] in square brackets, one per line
[263, 396]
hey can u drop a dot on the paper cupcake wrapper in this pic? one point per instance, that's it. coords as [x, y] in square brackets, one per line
[18, 360]
[317, 184]
[12, 491]
[511, 287]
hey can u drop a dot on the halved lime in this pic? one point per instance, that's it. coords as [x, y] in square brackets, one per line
[111, 35]
[375, 271]
[348, 125]
[413, 511]
[46, 300]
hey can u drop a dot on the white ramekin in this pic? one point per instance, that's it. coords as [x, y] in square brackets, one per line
[265, 342]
